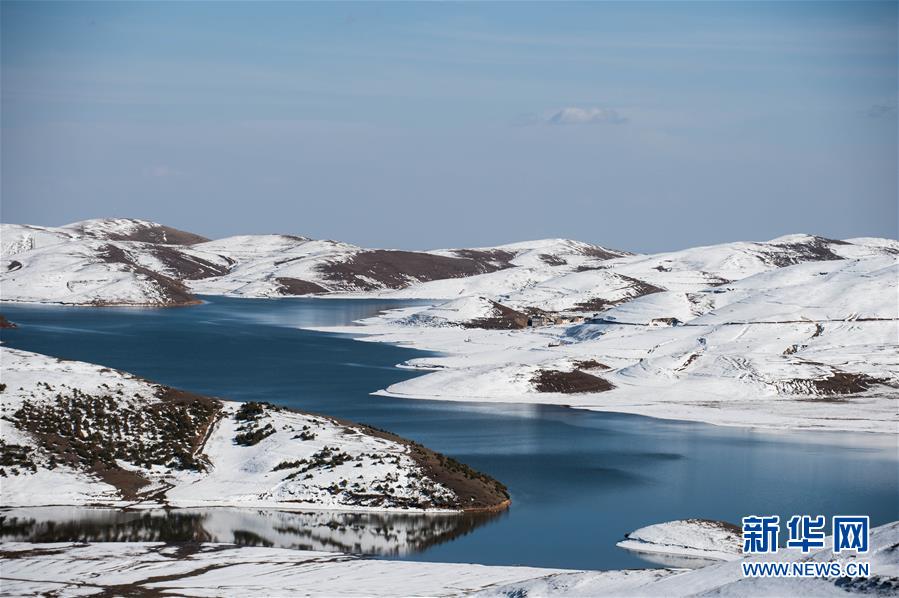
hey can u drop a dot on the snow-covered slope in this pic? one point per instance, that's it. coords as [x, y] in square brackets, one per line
[102, 262]
[135, 262]
[228, 570]
[808, 345]
[73, 433]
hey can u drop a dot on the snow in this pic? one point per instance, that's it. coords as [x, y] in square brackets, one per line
[750, 353]
[260, 259]
[744, 333]
[70, 569]
[77, 276]
[698, 539]
[243, 476]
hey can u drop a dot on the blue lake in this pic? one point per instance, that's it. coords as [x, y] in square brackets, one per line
[579, 480]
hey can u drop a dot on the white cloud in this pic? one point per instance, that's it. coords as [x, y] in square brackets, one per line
[582, 116]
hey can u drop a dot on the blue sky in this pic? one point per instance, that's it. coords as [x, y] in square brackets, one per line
[636, 125]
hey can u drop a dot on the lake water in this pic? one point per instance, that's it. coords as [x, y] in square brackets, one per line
[579, 480]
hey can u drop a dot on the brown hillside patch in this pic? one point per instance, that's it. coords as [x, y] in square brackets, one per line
[298, 286]
[397, 269]
[504, 318]
[160, 234]
[496, 257]
[93, 432]
[846, 383]
[185, 266]
[476, 491]
[590, 364]
[569, 382]
[636, 288]
[602, 254]
[174, 292]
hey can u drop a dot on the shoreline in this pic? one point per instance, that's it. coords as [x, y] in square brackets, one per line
[424, 480]
[381, 333]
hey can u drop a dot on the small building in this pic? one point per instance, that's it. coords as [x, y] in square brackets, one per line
[538, 320]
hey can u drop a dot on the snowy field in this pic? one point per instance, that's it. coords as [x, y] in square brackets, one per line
[226, 570]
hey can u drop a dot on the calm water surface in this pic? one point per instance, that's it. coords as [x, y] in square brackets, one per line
[579, 480]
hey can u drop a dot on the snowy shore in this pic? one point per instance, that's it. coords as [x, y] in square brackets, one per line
[810, 346]
[69, 569]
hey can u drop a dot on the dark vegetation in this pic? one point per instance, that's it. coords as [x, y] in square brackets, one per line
[475, 491]
[14, 457]
[91, 432]
[325, 458]
[817, 250]
[569, 382]
[252, 431]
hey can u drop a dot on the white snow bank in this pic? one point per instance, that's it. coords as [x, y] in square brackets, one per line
[699, 538]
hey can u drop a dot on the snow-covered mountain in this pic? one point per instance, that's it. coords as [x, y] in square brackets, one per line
[74, 433]
[736, 333]
[135, 262]
[792, 342]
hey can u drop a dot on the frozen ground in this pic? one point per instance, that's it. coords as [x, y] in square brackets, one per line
[227, 570]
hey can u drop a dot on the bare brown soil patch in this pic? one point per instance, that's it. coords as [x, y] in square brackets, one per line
[504, 318]
[637, 288]
[298, 286]
[602, 254]
[590, 364]
[160, 234]
[370, 270]
[185, 266]
[173, 291]
[569, 382]
[498, 258]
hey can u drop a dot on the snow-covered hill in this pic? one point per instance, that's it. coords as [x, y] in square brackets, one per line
[813, 344]
[135, 262]
[73, 433]
[799, 331]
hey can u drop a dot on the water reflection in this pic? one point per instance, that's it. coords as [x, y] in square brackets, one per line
[673, 561]
[391, 534]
